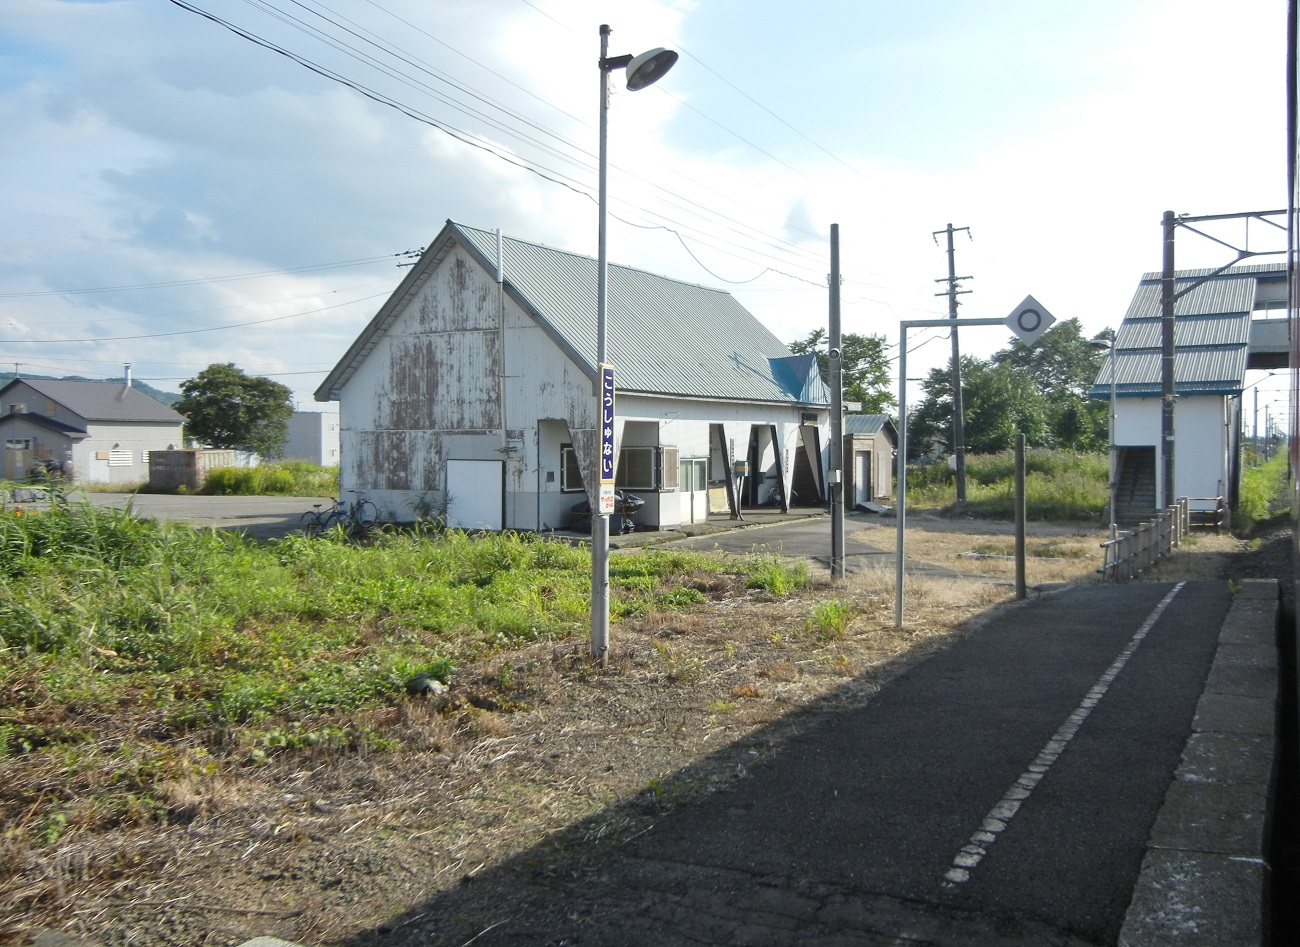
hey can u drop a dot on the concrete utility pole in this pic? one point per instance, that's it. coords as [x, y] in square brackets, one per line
[836, 364]
[1167, 297]
[958, 415]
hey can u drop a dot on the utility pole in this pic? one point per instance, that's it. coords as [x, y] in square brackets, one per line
[836, 364]
[958, 415]
[1167, 359]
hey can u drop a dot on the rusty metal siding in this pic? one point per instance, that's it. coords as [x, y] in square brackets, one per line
[430, 374]
[396, 460]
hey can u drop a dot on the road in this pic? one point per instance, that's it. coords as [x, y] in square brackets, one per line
[866, 544]
[260, 517]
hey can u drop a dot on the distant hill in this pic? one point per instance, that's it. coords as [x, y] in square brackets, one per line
[168, 398]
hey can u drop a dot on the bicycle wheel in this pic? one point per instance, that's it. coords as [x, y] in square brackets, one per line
[335, 517]
[365, 514]
[309, 522]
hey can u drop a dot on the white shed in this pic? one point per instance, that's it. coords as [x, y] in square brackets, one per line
[475, 398]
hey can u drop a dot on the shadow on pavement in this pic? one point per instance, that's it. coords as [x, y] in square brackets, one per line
[836, 824]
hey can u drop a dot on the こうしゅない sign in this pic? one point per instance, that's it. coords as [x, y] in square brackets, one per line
[606, 424]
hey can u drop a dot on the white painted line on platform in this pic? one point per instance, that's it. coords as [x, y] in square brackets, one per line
[1000, 816]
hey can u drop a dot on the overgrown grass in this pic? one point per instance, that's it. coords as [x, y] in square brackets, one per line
[1059, 485]
[290, 478]
[209, 635]
[1263, 489]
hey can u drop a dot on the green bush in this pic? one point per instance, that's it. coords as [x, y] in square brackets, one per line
[1059, 485]
[203, 631]
[292, 478]
[1262, 488]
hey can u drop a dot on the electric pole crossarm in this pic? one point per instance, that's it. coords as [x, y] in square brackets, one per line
[1260, 215]
[958, 410]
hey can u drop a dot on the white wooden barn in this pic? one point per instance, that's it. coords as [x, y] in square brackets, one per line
[1219, 333]
[471, 394]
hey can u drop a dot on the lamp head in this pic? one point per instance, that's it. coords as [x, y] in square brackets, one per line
[649, 67]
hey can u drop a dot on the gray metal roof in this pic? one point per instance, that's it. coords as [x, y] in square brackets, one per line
[50, 424]
[101, 400]
[867, 423]
[663, 336]
[1211, 334]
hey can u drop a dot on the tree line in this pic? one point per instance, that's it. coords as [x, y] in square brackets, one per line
[1040, 391]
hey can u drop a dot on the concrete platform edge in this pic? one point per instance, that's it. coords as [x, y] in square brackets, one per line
[1205, 875]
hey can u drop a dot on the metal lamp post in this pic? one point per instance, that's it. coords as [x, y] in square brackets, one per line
[1112, 451]
[642, 70]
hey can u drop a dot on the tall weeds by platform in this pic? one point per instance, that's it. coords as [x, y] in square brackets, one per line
[1060, 485]
[205, 630]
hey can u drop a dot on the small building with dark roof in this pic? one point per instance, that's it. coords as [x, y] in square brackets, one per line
[96, 431]
[476, 399]
[870, 441]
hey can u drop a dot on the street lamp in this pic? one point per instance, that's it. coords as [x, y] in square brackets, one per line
[1109, 346]
[641, 71]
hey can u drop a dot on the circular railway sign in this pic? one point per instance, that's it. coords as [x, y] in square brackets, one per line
[1030, 320]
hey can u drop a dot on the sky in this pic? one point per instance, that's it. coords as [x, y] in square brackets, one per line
[200, 181]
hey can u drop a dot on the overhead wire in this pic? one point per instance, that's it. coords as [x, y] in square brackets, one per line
[163, 335]
[744, 234]
[742, 230]
[168, 284]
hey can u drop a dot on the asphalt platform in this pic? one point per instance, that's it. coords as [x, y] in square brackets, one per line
[1091, 766]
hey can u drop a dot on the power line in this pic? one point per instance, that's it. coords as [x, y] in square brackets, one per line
[167, 284]
[815, 144]
[461, 135]
[136, 317]
[163, 335]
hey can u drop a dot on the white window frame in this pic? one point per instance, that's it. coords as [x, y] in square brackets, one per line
[655, 469]
[569, 459]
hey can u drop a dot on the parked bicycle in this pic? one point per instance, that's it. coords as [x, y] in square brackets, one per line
[360, 514]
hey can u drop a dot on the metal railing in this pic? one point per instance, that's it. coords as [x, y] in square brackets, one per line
[1131, 552]
[1215, 518]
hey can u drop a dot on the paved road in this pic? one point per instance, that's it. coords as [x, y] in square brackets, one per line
[999, 793]
[262, 517]
[870, 542]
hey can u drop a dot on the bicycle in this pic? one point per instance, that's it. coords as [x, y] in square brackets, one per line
[360, 514]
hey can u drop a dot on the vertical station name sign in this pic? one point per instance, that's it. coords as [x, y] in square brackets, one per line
[606, 439]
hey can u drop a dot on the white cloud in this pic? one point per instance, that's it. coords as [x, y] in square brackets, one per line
[142, 144]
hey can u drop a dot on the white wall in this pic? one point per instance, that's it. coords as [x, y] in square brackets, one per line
[1202, 441]
[313, 436]
[432, 390]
